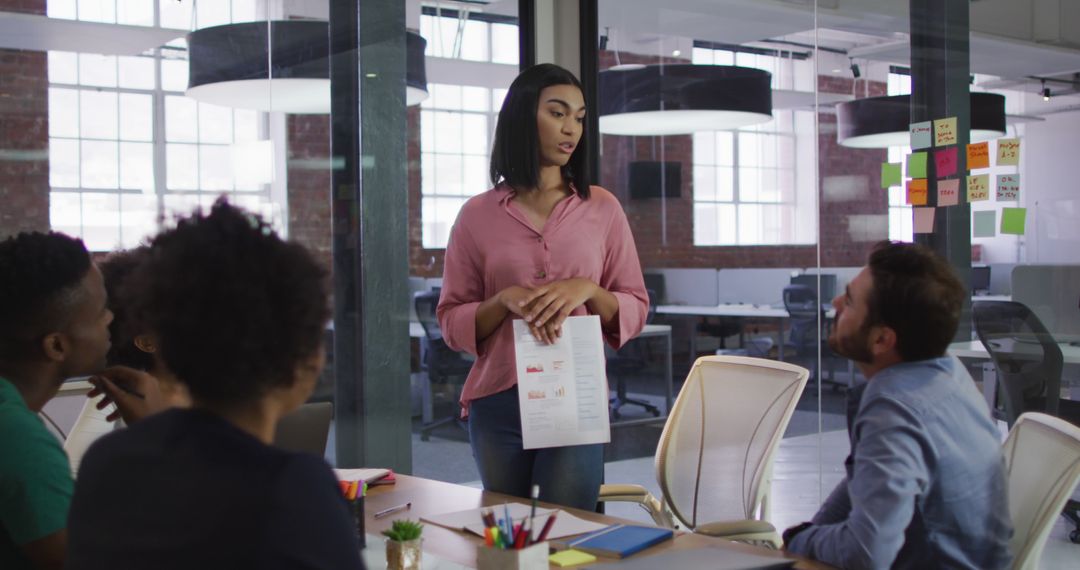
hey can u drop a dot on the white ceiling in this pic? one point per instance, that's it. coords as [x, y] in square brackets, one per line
[39, 33]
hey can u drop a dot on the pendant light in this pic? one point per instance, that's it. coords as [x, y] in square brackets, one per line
[881, 122]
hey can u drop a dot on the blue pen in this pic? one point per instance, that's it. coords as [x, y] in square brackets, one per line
[509, 523]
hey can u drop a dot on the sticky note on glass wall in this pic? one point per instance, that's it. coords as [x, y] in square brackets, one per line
[1012, 220]
[1008, 152]
[1008, 187]
[890, 174]
[984, 224]
[916, 192]
[916, 165]
[945, 161]
[945, 131]
[978, 155]
[948, 192]
[923, 220]
[921, 135]
[978, 187]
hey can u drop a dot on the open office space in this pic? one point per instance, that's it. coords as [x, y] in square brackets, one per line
[759, 150]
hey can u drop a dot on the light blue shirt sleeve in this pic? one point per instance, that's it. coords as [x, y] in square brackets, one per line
[889, 474]
[836, 507]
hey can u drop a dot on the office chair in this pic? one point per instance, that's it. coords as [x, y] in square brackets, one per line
[807, 331]
[1028, 362]
[714, 458]
[442, 364]
[1042, 463]
[630, 359]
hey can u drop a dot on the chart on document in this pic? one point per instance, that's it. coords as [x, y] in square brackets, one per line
[562, 387]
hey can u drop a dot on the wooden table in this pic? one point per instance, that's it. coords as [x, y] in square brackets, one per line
[430, 497]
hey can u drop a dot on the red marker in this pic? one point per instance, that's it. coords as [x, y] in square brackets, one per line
[547, 527]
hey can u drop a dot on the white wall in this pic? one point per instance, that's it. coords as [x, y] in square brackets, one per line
[1051, 156]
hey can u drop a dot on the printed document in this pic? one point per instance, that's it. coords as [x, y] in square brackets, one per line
[562, 387]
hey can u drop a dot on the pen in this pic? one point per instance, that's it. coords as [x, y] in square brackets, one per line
[392, 510]
[532, 512]
[547, 527]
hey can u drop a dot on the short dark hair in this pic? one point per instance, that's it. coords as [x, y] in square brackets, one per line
[126, 325]
[234, 307]
[40, 278]
[515, 155]
[916, 294]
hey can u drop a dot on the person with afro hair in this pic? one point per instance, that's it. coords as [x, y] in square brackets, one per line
[238, 315]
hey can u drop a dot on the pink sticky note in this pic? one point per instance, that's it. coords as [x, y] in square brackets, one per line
[924, 220]
[945, 159]
[948, 192]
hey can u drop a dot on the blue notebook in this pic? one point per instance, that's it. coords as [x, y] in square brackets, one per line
[619, 541]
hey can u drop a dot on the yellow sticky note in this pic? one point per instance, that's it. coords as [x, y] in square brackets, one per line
[945, 131]
[978, 187]
[571, 558]
[916, 165]
[1012, 220]
[917, 192]
[978, 155]
[1008, 152]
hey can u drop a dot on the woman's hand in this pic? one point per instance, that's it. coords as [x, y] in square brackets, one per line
[515, 299]
[549, 305]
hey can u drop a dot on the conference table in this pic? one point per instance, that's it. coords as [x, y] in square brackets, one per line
[455, 549]
[737, 310]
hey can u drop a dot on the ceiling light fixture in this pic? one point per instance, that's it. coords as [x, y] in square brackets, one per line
[881, 122]
[653, 100]
[1045, 91]
[229, 65]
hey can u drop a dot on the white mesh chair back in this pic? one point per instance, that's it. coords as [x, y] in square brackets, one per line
[1042, 456]
[715, 455]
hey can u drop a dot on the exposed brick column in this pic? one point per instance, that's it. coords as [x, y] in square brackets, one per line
[24, 133]
[309, 183]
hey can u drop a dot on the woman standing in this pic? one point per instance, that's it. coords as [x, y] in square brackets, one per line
[542, 245]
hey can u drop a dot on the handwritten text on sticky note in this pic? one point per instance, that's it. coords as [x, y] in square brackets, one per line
[948, 192]
[945, 160]
[916, 192]
[921, 135]
[1008, 187]
[978, 155]
[978, 187]
[1008, 152]
[945, 131]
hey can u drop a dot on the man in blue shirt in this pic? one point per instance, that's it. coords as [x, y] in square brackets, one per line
[925, 485]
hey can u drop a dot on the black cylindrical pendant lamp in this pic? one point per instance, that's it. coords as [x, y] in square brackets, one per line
[229, 65]
[881, 122]
[682, 99]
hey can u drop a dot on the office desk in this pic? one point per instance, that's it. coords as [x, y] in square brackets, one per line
[744, 311]
[430, 497]
[975, 350]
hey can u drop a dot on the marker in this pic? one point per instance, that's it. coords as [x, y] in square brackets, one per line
[532, 513]
[392, 510]
[547, 527]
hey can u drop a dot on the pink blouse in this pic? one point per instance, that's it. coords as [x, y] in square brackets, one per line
[494, 246]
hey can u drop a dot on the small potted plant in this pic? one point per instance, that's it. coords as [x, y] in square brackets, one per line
[403, 547]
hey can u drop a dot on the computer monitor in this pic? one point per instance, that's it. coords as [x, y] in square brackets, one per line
[980, 279]
[828, 285]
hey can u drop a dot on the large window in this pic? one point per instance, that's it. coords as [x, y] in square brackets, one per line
[750, 185]
[900, 228]
[458, 119]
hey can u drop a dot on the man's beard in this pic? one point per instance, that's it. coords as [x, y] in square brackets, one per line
[856, 347]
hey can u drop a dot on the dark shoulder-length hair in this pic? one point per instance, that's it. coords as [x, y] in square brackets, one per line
[515, 156]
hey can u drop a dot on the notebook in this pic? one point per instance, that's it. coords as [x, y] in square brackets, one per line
[618, 541]
[369, 476]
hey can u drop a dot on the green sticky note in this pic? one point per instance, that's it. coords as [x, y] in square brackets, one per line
[1012, 220]
[916, 165]
[983, 224]
[890, 174]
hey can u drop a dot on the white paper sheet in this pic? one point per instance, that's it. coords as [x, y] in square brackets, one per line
[562, 387]
[362, 474]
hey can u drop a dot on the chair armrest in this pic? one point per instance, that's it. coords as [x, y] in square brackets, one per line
[640, 495]
[729, 528]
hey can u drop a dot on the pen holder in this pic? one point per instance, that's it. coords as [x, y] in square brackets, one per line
[357, 507]
[534, 557]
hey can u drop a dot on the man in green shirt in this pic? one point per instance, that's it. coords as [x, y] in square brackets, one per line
[54, 325]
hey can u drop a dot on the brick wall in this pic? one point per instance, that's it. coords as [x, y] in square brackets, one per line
[309, 179]
[24, 134]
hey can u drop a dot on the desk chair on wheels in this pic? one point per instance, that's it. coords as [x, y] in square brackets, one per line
[443, 365]
[1028, 362]
[628, 360]
[809, 329]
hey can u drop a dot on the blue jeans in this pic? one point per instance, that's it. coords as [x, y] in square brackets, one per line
[568, 476]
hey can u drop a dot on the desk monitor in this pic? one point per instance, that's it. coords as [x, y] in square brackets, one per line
[828, 285]
[980, 279]
[655, 282]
